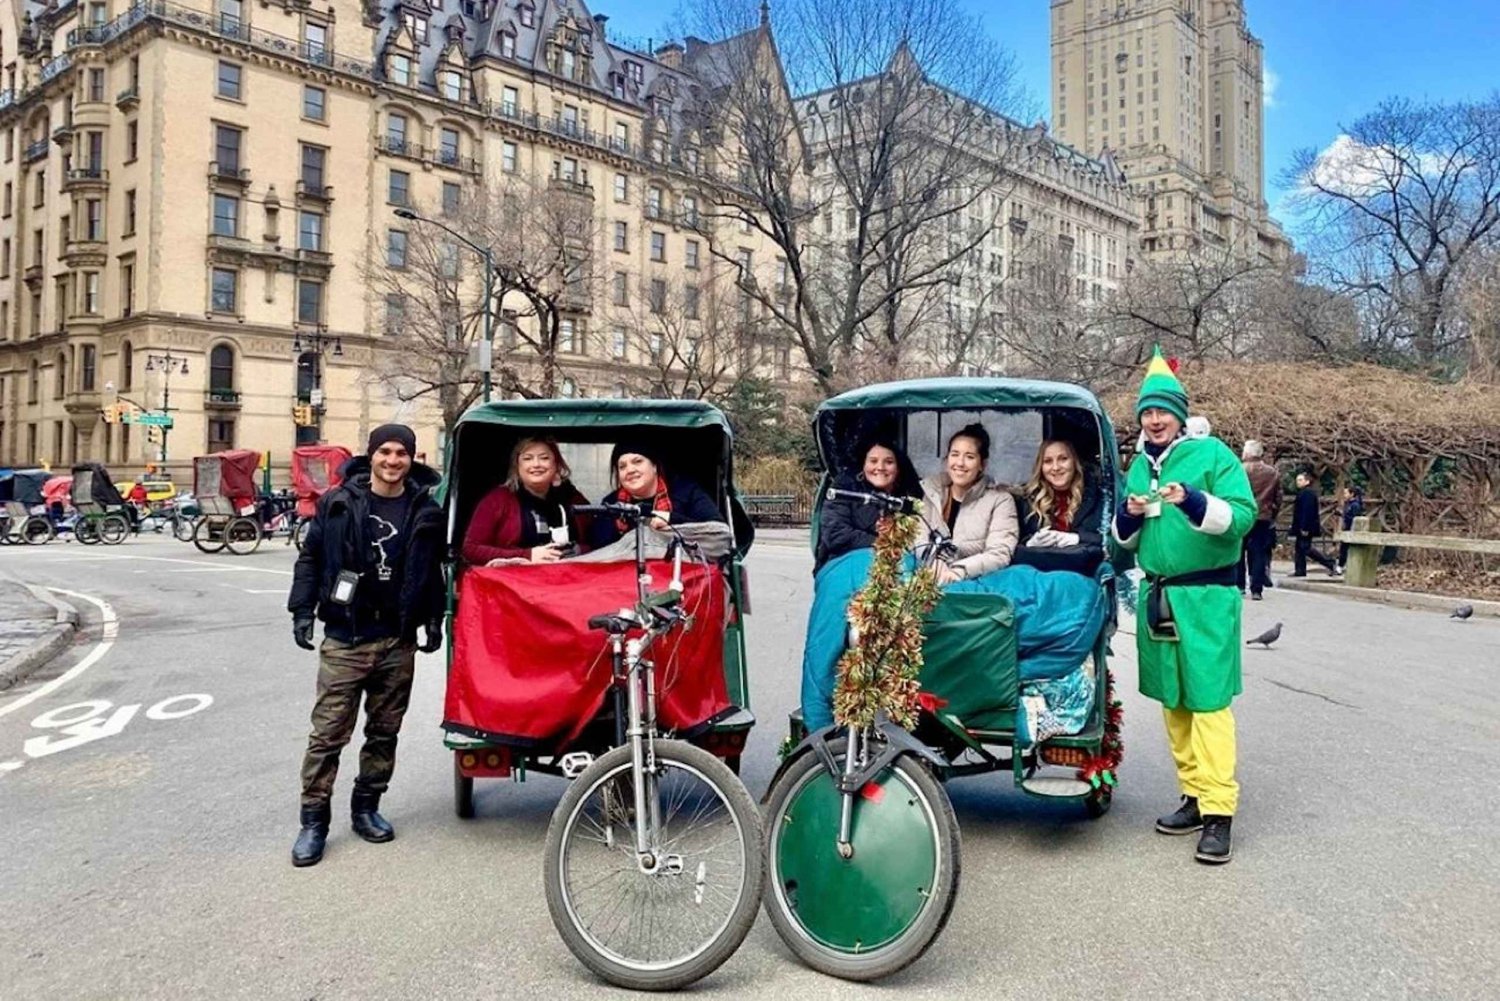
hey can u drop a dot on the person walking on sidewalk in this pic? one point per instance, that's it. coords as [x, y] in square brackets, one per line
[369, 569]
[1307, 525]
[1188, 507]
[1265, 483]
[1353, 507]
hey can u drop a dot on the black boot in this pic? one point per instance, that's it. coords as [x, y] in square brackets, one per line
[1185, 820]
[366, 819]
[308, 849]
[1214, 845]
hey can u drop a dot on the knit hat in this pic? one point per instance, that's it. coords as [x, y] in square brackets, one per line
[632, 447]
[393, 432]
[1160, 389]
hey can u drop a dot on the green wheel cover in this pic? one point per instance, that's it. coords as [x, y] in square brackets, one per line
[866, 902]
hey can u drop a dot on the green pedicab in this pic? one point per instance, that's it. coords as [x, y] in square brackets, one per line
[862, 849]
[103, 515]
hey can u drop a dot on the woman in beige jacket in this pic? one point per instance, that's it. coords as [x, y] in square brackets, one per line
[961, 503]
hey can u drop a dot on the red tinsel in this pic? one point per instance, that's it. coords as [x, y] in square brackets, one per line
[1174, 364]
[1099, 770]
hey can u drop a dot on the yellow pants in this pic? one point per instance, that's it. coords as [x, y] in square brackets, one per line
[1203, 747]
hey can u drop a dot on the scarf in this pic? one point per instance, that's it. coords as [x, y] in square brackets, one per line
[661, 502]
[1060, 513]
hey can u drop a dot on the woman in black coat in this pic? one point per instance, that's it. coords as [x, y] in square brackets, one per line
[1060, 514]
[640, 480]
[846, 525]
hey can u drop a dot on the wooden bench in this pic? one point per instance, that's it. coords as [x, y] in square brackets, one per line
[772, 509]
[1365, 547]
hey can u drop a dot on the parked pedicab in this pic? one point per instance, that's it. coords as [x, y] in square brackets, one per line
[624, 671]
[224, 486]
[316, 469]
[103, 515]
[22, 507]
[862, 846]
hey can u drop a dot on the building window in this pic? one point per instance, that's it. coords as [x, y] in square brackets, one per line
[399, 190]
[653, 202]
[41, 189]
[508, 157]
[401, 68]
[510, 102]
[226, 215]
[567, 336]
[528, 15]
[9, 199]
[225, 296]
[221, 369]
[227, 147]
[127, 290]
[621, 289]
[453, 85]
[127, 366]
[4, 268]
[220, 434]
[658, 296]
[448, 259]
[230, 14]
[690, 254]
[96, 85]
[690, 210]
[314, 103]
[395, 132]
[230, 77]
[452, 195]
[33, 386]
[60, 380]
[88, 362]
[314, 158]
[94, 154]
[622, 237]
[132, 142]
[309, 301]
[395, 314]
[622, 188]
[91, 293]
[507, 45]
[395, 248]
[315, 42]
[309, 230]
[690, 301]
[417, 26]
[659, 247]
[93, 219]
[448, 146]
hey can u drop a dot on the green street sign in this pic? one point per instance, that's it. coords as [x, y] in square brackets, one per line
[154, 420]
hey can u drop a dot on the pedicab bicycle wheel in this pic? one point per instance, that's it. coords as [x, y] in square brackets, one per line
[37, 531]
[242, 536]
[85, 531]
[869, 915]
[182, 528]
[207, 537]
[666, 926]
[113, 529]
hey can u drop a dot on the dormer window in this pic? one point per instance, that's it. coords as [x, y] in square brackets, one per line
[567, 63]
[453, 85]
[633, 71]
[417, 26]
[528, 15]
[400, 69]
[507, 45]
[617, 84]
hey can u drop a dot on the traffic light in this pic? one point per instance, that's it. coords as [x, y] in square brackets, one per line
[302, 415]
[112, 414]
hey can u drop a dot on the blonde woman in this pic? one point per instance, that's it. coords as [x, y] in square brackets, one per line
[961, 503]
[529, 516]
[1060, 512]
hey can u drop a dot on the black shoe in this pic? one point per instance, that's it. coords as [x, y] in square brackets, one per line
[1256, 596]
[367, 821]
[1185, 820]
[1214, 844]
[308, 849]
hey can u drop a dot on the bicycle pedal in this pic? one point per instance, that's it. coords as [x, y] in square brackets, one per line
[573, 764]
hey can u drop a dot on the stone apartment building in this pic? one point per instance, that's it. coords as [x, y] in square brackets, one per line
[192, 193]
[1173, 88]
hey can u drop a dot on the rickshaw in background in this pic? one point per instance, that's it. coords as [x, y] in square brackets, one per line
[103, 515]
[23, 518]
[624, 671]
[224, 486]
[862, 845]
[316, 469]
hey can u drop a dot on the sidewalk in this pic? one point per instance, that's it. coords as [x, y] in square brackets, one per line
[34, 628]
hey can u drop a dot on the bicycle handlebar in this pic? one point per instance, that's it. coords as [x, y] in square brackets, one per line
[888, 502]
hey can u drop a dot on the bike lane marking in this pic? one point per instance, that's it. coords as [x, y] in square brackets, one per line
[106, 642]
[164, 559]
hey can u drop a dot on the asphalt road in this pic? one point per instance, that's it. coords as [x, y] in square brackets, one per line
[153, 862]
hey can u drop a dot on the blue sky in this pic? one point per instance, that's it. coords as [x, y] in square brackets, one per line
[1332, 60]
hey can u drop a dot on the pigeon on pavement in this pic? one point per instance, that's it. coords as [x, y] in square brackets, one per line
[1462, 612]
[1268, 637]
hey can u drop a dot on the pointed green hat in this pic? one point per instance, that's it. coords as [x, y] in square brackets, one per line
[1161, 389]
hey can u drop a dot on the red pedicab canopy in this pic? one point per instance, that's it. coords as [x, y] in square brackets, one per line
[58, 490]
[316, 469]
[228, 474]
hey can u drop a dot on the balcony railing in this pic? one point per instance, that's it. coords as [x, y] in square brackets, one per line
[228, 172]
[35, 151]
[221, 398]
[320, 192]
[92, 174]
[128, 98]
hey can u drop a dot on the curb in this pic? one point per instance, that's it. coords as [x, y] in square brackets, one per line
[1401, 599]
[65, 621]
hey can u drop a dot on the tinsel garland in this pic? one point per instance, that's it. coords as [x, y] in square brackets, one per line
[879, 673]
[1099, 770]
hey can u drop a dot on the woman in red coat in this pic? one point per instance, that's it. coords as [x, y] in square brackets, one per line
[529, 516]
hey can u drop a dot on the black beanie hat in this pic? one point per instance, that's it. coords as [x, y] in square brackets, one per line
[631, 446]
[393, 432]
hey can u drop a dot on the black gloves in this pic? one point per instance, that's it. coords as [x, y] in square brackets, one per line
[434, 636]
[302, 631]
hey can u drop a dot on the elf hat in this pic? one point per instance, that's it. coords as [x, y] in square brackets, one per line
[1160, 389]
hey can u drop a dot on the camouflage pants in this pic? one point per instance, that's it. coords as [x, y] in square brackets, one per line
[382, 672]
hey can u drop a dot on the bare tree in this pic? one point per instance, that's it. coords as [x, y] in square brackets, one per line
[1199, 305]
[902, 175]
[1394, 210]
[686, 340]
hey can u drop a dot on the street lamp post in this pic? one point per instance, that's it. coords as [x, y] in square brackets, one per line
[487, 360]
[317, 343]
[166, 361]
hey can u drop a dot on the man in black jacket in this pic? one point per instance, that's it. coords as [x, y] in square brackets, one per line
[1307, 524]
[369, 569]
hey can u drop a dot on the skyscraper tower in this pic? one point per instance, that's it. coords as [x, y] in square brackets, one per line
[1173, 88]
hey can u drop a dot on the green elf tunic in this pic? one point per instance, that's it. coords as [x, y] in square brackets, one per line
[1201, 670]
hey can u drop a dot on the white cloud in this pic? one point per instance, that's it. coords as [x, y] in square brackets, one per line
[1355, 168]
[1268, 84]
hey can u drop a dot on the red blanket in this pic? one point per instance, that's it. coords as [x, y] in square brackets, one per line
[527, 669]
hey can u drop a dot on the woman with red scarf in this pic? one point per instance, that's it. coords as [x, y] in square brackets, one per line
[1060, 514]
[640, 480]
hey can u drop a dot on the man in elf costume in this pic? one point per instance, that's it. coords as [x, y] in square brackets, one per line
[1188, 507]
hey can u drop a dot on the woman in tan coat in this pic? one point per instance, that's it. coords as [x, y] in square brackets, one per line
[961, 503]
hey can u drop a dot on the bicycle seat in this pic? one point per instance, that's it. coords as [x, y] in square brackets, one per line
[617, 624]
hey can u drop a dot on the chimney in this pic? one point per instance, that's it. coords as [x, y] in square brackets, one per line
[670, 55]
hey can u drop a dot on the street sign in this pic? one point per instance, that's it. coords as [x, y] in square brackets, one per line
[153, 420]
[315, 397]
